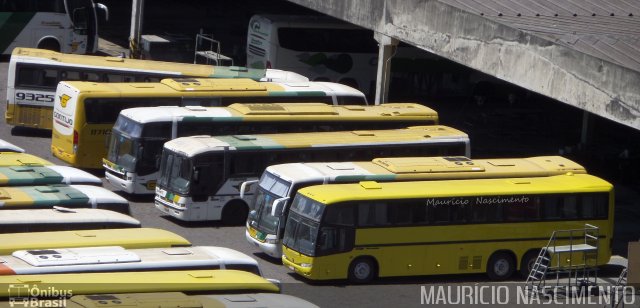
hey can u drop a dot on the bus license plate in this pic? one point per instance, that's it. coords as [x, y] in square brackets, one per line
[252, 232]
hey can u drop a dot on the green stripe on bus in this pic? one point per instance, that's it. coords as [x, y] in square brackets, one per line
[238, 72]
[301, 93]
[11, 24]
[211, 119]
[353, 178]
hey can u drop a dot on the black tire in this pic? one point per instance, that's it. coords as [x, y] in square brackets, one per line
[50, 44]
[528, 260]
[235, 213]
[500, 266]
[362, 270]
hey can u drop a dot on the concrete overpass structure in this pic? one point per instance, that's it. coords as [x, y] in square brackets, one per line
[585, 53]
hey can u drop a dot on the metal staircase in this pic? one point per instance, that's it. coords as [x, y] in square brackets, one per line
[570, 258]
[617, 296]
[209, 50]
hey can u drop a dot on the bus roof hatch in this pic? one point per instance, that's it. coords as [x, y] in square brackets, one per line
[428, 164]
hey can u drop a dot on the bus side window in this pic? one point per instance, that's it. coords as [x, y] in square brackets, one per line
[49, 78]
[570, 207]
[372, 214]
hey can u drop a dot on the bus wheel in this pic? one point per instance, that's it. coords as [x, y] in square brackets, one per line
[501, 266]
[528, 260]
[49, 44]
[235, 213]
[362, 270]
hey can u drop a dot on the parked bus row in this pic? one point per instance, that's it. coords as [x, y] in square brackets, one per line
[34, 75]
[104, 251]
[144, 262]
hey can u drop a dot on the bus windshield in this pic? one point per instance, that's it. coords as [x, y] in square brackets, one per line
[175, 172]
[301, 232]
[124, 151]
[270, 188]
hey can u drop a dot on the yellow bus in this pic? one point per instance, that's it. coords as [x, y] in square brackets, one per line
[494, 226]
[34, 75]
[85, 112]
[9, 159]
[178, 299]
[279, 183]
[127, 238]
[200, 281]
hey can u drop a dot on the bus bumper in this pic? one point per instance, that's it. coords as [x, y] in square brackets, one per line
[273, 250]
[305, 271]
[117, 182]
[170, 210]
[64, 156]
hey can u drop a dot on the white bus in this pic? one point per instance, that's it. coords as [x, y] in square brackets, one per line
[279, 183]
[321, 48]
[63, 219]
[42, 175]
[34, 75]
[131, 162]
[69, 26]
[119, 259]
[200, 176]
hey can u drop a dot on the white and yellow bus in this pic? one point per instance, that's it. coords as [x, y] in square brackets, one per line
[62, 219]
[178, 299]
[131, 162]
[279, 183]
[29, 175]
[34, 75]
[85, 112]
[118, 259]
[494, 226]
[200, 281]
[200, 176]
[61, 25]
[124, 237]
[72, 196]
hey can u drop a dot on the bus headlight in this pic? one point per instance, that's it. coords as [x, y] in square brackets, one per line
[272, 241]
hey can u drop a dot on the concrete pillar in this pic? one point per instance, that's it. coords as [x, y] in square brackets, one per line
[386, 50]
[137, 11]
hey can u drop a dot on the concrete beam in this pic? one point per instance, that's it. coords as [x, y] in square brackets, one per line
[537, 64]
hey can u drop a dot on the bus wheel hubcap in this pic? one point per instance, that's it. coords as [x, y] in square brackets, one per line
[362, 270]
[502, 267]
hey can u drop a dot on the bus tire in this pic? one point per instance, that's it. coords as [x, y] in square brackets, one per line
[362, 270]
[500, 266]
[235, 213]
[49, 44]
[528, 260]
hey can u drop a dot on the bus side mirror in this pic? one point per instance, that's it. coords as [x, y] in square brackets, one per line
[105, 9]
[278, 205]
[244, 187]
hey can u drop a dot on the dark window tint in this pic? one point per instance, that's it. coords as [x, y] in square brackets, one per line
[106, 110]
[328, 40]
